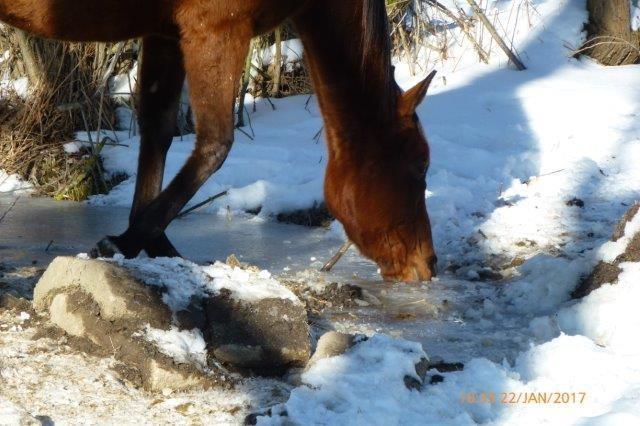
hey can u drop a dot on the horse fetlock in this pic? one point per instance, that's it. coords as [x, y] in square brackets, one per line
[106, 248]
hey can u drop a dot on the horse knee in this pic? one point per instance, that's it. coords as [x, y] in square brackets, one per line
[213, 155]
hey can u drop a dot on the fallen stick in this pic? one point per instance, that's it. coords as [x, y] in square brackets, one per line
[11, 208]
[204, 203]
[336, 257]
[512, 56]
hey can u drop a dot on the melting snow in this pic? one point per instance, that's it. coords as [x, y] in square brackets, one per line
[181, 280]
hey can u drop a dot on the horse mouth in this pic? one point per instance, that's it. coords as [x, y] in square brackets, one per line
[412, 273]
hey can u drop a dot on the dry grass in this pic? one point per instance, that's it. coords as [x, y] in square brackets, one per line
[70, 94]
[294, 77]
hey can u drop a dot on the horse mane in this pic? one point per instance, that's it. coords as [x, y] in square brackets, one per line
[376, 69]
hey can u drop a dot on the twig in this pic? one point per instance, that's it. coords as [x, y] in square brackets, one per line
[484, 57]
[204, 203]
[316, 137]
[277, 63]
[9, 209]
[492, 30]
[336, 257]
[600, 40]
[243, 132]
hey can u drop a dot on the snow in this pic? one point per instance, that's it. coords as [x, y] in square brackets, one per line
[355, 388]
[184, 346]
[181, 280]
[11, 414]
[46, 379]
[611, 250]
[13, 183]
[281, 170]
[635, 15]
[585, 370]
[292, 52]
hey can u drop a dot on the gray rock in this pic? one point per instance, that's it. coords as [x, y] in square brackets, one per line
[266, 336]
[103, 304]
[118, 295]
[331, 344]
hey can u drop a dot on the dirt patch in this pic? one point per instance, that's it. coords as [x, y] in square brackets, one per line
[101, 304]
[334, 295]
[607, 273]
[618, 231]
[105, 311]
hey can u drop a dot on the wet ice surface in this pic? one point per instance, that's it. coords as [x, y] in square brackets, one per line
[435, 314]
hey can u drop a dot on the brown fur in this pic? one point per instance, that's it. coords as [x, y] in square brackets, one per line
[378, 155]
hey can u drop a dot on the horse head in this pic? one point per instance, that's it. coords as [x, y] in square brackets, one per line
[377, 191]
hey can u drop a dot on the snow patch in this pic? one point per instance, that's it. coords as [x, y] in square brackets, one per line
[357, 387]
[181, 280]
[11, 414]
[13, 183]
[609, 315]
[185, 347]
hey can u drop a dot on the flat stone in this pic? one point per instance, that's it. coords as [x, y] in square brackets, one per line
[118, 295]
[103, 304]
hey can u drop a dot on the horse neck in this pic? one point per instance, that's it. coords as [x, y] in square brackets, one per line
[350, 64]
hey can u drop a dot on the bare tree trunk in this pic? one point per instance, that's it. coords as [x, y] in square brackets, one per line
[32, 66]
[611, 40]
[277, 64]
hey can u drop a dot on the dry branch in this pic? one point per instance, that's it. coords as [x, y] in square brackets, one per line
[492, 30]
[336, 257]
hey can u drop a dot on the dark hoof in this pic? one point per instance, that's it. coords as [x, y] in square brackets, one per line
[105, 248]
[161, 247]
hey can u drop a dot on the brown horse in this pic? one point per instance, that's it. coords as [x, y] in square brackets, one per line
[378, 155]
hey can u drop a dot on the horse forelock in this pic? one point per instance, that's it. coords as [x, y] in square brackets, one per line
[376, 54]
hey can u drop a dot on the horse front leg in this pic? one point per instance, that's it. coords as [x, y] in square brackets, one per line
[213, 60]
[160, 80]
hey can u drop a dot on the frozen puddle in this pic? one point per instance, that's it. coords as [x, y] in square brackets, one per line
[450, 317]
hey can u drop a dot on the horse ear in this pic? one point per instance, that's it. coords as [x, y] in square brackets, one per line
[410, 99]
